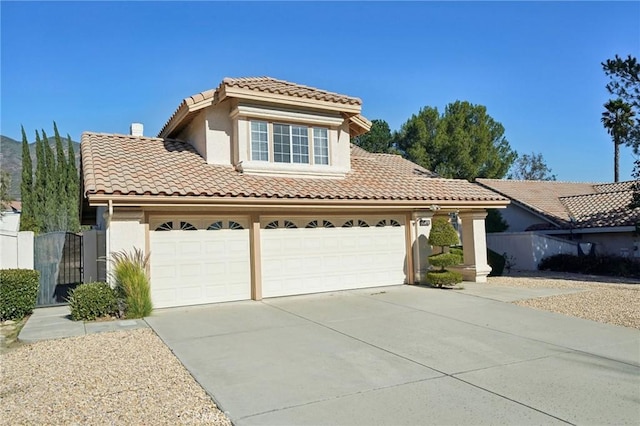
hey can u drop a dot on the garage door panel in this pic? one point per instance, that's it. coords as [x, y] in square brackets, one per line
[196, 267]
[299, 261]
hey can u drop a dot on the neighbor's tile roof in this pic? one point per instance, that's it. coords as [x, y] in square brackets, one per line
[602, 209]
[589, 204]
[120, 164]
[540, 196]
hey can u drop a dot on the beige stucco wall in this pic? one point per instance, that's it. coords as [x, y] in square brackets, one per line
[195, 134]
[221, 134]
[126, 231]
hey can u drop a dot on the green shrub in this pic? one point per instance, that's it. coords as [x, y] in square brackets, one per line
[443, 278]
[608, 265]
[18, 293]
[132, 282]
[443, 233]
[443, 260]
[497, 262]
[92, 300]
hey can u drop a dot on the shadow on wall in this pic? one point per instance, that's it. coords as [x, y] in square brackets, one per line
[527, 249]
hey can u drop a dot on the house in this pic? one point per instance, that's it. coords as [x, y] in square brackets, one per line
[254, 190]
[595, 213]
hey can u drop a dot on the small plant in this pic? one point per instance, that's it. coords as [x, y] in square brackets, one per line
[132, 282]
[90, 301]
[18, 293]
[509, 262]
[444, 235]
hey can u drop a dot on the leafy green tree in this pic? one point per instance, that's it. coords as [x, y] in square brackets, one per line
[624, 83]
[377, 139]
[531, 167]
[27, 217]
[618, 120]
[464, 142]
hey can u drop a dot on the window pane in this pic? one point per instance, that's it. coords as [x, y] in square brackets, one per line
[259, 141]
[281, 143]
[320, 146]
[300, 144]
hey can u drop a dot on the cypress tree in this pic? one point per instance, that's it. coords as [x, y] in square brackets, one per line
[73, 192]
[39, 188]
[27, 218]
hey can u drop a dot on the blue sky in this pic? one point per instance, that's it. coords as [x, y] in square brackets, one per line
[536, 66]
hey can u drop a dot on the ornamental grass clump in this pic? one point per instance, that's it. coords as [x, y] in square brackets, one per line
[443, 235]
[129, 271]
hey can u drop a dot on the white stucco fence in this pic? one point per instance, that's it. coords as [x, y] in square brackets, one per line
[527, 249]
[16, 250]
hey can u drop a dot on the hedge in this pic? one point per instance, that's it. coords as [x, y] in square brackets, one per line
[608, 265]
[93, 300]
[18, 293]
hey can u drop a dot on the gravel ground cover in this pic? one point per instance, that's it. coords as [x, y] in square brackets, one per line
[131, 377]
[604, 299]
[123, 377]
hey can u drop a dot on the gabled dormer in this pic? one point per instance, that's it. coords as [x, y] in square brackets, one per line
[270, 127]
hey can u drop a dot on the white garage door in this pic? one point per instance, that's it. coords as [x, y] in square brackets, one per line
[196, 261]
[313, 255]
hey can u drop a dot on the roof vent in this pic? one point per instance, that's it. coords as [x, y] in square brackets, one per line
[136, 129]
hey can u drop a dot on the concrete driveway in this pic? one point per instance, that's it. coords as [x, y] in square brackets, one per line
[405, 355]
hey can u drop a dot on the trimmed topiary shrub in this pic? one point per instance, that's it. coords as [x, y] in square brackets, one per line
[93, 300]
[18, 293]
[443, 234]
[444, 278]
[132, 282]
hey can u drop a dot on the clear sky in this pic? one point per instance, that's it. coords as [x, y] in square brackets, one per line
[99, 66]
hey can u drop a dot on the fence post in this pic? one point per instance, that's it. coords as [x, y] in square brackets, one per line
[90, 256]
[25, 250]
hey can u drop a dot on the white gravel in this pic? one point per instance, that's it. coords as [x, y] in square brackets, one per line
[124, 377]
[609, 300]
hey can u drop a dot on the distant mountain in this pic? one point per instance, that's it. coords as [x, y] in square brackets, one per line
[11, 158]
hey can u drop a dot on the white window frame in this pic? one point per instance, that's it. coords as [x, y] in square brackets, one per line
[308, 156]
[260, 142]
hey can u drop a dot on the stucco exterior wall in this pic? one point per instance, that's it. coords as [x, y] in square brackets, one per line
[16, 250]
[527, 249]
[125, 231]
[518, 218]
[218, 130]
[614, 243]
[195, 134]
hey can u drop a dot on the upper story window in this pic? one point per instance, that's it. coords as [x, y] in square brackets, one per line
[289, 143]
[259, 141]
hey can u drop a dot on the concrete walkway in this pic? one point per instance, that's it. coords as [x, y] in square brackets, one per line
[405, 355]
[55, 323]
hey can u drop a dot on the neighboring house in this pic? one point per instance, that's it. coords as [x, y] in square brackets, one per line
[584, 212]
[254, 190]
[16, 248]
[10, 218]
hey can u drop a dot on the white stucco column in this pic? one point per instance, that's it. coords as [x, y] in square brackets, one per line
[421, 247]
[126, 231]
[474, 244]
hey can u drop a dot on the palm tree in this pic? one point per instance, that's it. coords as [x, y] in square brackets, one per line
[618, 120]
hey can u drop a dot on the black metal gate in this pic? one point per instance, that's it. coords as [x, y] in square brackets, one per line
[58, 257]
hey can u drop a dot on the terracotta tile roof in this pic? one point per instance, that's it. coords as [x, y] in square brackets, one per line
[282, 87]
[603, 209]
[589, 204]
[540, 196]
[120, 164]
[257, 84]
